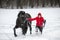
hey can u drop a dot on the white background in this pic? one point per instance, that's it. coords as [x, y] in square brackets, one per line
[51, 30]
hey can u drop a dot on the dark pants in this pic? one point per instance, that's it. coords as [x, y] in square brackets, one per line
[40, 29]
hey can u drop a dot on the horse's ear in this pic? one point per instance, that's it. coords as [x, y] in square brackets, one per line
[22, 12]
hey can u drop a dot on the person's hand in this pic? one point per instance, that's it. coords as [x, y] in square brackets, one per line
[26, 18]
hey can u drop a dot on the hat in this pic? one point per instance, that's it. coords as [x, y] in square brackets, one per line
[39, 14]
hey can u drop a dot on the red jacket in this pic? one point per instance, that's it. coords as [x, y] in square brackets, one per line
[39, 21]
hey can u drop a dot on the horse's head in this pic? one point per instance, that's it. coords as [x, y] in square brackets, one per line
[21, 14]
[22, 17]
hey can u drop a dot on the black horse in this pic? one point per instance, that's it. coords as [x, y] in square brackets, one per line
[23, 23]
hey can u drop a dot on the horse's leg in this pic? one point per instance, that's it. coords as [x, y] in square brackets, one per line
[24, 30]
[30, 27]
[15, 31]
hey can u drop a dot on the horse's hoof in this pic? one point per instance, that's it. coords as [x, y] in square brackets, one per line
[24, 34]
[15, 35]
[30, 33]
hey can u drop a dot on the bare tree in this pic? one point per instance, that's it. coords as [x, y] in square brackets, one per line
[52, 2]
[0, 3]
[59, 3]
[43, 3]
[31, 3]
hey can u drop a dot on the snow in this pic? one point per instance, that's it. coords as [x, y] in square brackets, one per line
[51, 30]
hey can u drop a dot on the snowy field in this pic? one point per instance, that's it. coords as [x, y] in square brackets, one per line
[51, 30]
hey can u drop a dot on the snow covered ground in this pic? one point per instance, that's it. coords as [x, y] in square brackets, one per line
[51, 30]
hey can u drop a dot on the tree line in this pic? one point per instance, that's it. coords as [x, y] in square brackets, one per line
[28, 3]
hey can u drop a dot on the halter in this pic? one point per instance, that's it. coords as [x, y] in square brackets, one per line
[24, 22]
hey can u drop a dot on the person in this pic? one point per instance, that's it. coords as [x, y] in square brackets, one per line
[40, 21]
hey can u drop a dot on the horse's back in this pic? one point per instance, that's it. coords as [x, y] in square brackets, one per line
[28, 15]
